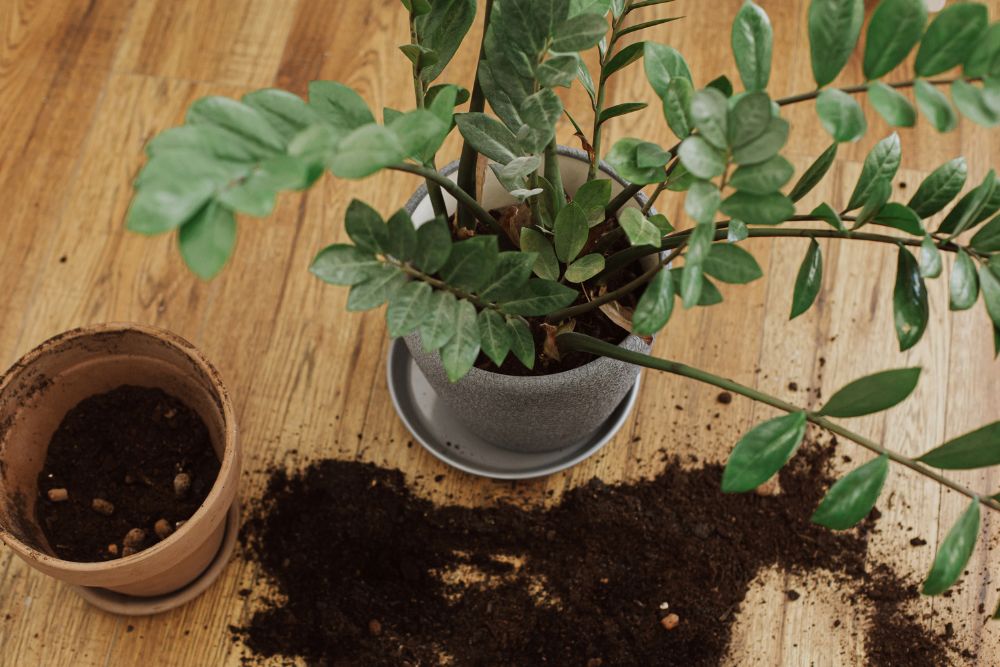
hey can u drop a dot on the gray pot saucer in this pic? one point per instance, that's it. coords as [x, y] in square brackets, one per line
[440, 433]
[131, 605]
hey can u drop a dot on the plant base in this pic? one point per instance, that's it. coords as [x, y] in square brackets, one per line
[131, 605]
[433, 425]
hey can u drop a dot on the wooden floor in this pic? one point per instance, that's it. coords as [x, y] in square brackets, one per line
[83, 85]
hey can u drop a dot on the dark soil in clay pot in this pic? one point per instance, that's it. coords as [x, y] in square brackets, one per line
[364, 572]
[123, 471]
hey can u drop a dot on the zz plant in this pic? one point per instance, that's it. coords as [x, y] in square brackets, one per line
[470, 284]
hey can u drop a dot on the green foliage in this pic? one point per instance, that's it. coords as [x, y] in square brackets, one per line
[207, 240]
[942, 186]
[872, 393]
[814, 174]
[894, 29]
[909, 301]
[963, 285]
[640, 231]
[808, 281]
[841, 115]
[571, 232]
[881, 164]
[699, 245]
[954, 552]
[852, 497]
[770, 209]
[834, 28]
[762, 452]
[951, 37]
[935, 106]
[892, 105]
[731, 264]
[655, 305]
[752, 41]
[977, 449]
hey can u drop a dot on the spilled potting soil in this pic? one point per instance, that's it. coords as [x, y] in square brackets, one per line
[650, 573]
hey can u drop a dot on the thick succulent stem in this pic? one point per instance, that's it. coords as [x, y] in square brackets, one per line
[467, 162]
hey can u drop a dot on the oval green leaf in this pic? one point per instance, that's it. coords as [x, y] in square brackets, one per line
[954, 552]
[853, 496]
[872, 393]
[762, 452]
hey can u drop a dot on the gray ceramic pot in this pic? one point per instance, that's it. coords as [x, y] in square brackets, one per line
[539, 413]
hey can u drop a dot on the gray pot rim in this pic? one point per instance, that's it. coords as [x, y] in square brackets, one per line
[628, 343]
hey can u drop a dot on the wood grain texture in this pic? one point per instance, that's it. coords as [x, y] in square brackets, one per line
[83, 85]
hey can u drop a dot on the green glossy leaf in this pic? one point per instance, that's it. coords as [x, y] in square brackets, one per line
[365, 227]
[420, 132]
[558, 71]
[433, 245]
[571, 232]
[459, 354]
[376, 290]
[894, 29]
[342, 264]
[841, 115]
[207, 240]
[762, 452]
[826, 213]
[408, 307]
[702, 201]
[753, 209]
[339, 106]
[881, 163]
[521, 342]
[809, 280]
[402, 242]
[677, 107]
[834, 28]
[737, 231]
[621, 110]
[954, 552]
[701, 158]
[585, 268]
[650, 156]
[710, 114]
[935, 106]
[973, 104]
[909, 301]
[640, 231]
[601, 7]
[900, 217]
[731, 264]
[442, 30]
[699, 244]
[963, 284]
[764, 146]
[987, 239]
[655, 305]
[471, 263]
[749, 118]
[240, 119]
[623, 158]
[286, 112]
[625, 57]
[872, 393]
[661, 223]
[974, 207]
[722, 84]
[546, 265]
[593, 197]
[763, 178]
[892, 105]
[930, 258]
[951, 37]
[939, 188]
[663, 64]
[751, 41]
[512, 271]
[814, 174]
[488, 136]
[985, 57]
[579, 33]
[540, 297]
[977, 449]
[881, 190]
[439, 325]
[853, 496]
[989, 282]
[494, 336]
[365, 151]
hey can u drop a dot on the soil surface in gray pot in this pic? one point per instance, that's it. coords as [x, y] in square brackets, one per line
[367, 572]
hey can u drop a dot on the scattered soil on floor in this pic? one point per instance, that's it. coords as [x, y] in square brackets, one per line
[648, 573]
[124, 449]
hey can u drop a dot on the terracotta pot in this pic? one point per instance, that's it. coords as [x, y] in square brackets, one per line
[539, 413]
[38, 391]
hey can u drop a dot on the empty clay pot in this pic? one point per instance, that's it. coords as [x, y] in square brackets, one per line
[38, 391]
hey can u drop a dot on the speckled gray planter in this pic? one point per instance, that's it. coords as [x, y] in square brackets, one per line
[540, 413]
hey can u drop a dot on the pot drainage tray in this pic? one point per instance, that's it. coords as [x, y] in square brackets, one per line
[435, 427]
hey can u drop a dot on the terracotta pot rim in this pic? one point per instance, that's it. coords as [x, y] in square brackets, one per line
[230, 457]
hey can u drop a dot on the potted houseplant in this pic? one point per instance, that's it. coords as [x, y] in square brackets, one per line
[532, 259]
[143, 573]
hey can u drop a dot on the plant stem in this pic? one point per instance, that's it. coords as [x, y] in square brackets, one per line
[607, 297]
[861, 88]
[419, 94]
[467, 161]
[440, 284]
[553, 175]
[653, 197]
[584, 343]
[458, 193]
[595, 140]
